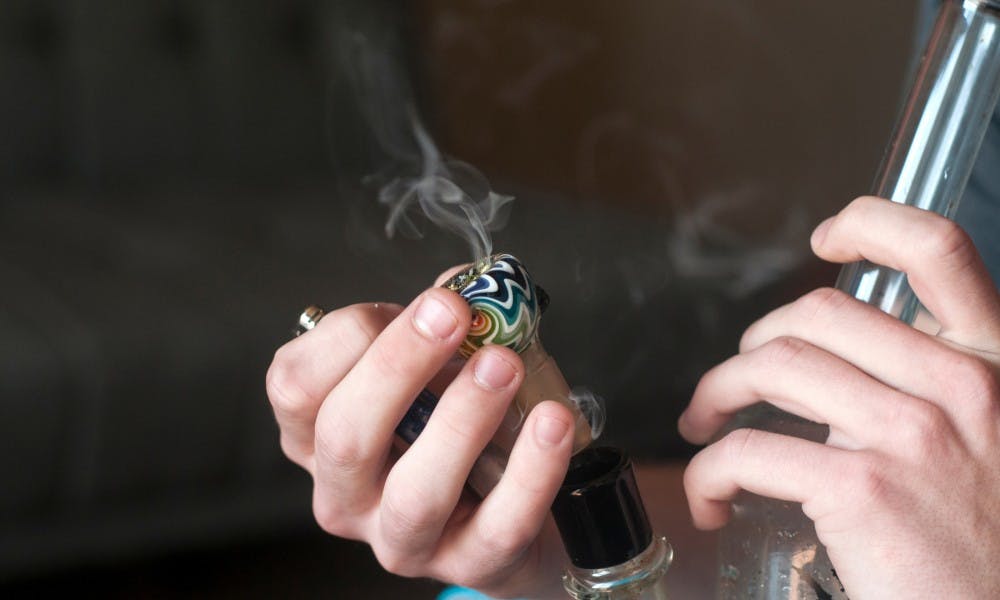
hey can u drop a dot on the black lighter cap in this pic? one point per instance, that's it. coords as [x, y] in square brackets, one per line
[598, 510]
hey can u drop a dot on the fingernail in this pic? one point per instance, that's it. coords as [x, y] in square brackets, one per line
[434, 320]
[819, 234]
[549, 432]
[492, 372]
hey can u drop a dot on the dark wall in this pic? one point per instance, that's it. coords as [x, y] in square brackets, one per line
[179, 178]
[113, 89]
[670, 160]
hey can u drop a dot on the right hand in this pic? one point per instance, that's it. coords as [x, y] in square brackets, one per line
[338, 393]
[904, 491]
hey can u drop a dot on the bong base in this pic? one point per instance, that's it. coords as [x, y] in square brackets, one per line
[769, 549]
[770, 552]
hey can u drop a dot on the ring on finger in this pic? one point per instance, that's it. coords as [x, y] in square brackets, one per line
[309, 318]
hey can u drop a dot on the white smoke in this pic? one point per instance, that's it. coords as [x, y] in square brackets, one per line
[451, 194]
[705, 237]
[701, 247]
[420, 181]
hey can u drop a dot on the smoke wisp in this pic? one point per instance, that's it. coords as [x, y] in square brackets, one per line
[742, 266]
[451, 194]
[420, 182]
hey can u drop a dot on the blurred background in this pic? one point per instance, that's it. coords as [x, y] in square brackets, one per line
[178, 179]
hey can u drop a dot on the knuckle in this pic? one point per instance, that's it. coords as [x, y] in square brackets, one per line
[407, 516]
[530, 485]
[486, 574]
[863, 204]
[475, 575]
[974, 385]
[286, 396]
[492, 573]
[949, 242]
[782, 351]
[695, 477]
[505, 544]
[356, 327]
[858, 208]
[822, 303]
[460, 432]
[332, 517]
[735, 444]
[749, 337]
[392, 367]
[339, 452]
[923, 426]
[868, 481]
[295, 450]
[396, 562]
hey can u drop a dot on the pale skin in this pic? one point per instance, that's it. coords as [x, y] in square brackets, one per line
[904, 493]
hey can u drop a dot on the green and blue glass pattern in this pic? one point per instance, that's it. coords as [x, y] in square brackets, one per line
[505, 305]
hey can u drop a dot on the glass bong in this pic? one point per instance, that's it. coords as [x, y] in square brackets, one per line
[770, 550]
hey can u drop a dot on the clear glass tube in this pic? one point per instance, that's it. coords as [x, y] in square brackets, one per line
[938, 137]
[641, 578]
[770, 549]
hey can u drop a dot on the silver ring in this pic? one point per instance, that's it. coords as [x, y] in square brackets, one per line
[309, 318]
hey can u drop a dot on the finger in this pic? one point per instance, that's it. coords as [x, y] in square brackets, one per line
[443, 378]
[899, 356]
[763, 463]
[498, 535]
[447, 374]
[305, 370]
[798, 378]
[939, 259]
[354, 428]
[425, 484]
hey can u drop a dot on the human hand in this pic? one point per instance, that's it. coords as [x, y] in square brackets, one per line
[338, 393]
[905, 492]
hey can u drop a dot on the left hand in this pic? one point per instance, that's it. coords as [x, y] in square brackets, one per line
[905, 493]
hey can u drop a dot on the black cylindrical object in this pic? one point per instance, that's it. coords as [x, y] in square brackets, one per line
[599, 512]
